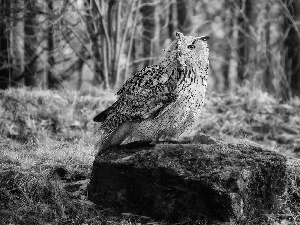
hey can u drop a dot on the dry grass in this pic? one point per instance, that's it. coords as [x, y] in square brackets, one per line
[36, 177]
[61, 115]
[254, 115]
[45, 183]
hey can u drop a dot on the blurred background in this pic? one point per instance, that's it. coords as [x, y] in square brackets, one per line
[86, 44]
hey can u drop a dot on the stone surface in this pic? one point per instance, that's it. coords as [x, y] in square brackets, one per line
[212, 181]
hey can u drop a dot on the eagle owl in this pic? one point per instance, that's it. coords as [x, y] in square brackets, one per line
[162, 100]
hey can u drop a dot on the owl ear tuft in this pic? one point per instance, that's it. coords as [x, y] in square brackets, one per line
[179, 35]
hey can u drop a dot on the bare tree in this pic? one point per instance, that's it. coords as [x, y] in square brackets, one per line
[244, 42]
[50, 80]
[228, 17]
[292, 45]
[180, 17]
[5, 61]
[4, 46]
[106, 24]
[172, 22]
[150, 22]
[268, 77]
[16, 46]
[30, 43]
[184, 14]
[93, 23]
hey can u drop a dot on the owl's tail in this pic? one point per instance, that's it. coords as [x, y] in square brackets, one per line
[110, 137]
[101, 135]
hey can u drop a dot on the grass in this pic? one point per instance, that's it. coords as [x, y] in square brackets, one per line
[61, 115]
[46, 151]
[45, 183]
[254, 115]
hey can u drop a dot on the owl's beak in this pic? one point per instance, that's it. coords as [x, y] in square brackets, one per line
[181, 69]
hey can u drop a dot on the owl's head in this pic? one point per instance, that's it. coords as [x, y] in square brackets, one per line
[189, 51]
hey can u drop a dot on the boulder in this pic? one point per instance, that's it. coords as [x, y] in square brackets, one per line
[204, 180]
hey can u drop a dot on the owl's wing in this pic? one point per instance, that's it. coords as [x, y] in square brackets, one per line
[151, 78]
[146, 94]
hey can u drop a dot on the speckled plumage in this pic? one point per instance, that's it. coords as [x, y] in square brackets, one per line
[161, 100]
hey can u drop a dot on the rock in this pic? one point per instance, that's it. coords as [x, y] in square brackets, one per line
[219, 181]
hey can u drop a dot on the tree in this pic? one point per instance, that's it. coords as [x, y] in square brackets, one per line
[150, 23]
[93, 24]
[268, 76]
[228, 18]
[30, 43]
[179, 17]
[244, 42]
[107, 25]
[50, 81]
[5, 61]
[184, 14]
[16, 39]
[292, 46]
[172, 23]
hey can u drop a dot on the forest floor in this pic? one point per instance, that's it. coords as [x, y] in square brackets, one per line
[46, 151]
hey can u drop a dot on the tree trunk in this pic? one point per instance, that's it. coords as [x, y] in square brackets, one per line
[267, 79]
[184, 15]
[114, 19]
[79, 68]
[30, 43]
[16, 47]
[172, 26]
[50, 81]
[229, 17]
[5, 70]
[244, 42]
[150, 22]
[179, 17]
[292, 46]
[92, 28]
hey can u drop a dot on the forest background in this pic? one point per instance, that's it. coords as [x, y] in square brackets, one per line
[76, 44]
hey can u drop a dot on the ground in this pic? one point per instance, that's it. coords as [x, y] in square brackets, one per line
[46, 151]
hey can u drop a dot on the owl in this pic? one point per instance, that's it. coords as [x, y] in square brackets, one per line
[159, 101]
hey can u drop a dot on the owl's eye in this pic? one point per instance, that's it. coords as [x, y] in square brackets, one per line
[191, 47]
[206, 38]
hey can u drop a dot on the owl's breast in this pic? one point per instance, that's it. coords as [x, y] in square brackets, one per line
[179, 117]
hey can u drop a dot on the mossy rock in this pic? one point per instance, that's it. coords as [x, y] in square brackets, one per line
[215, 181]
